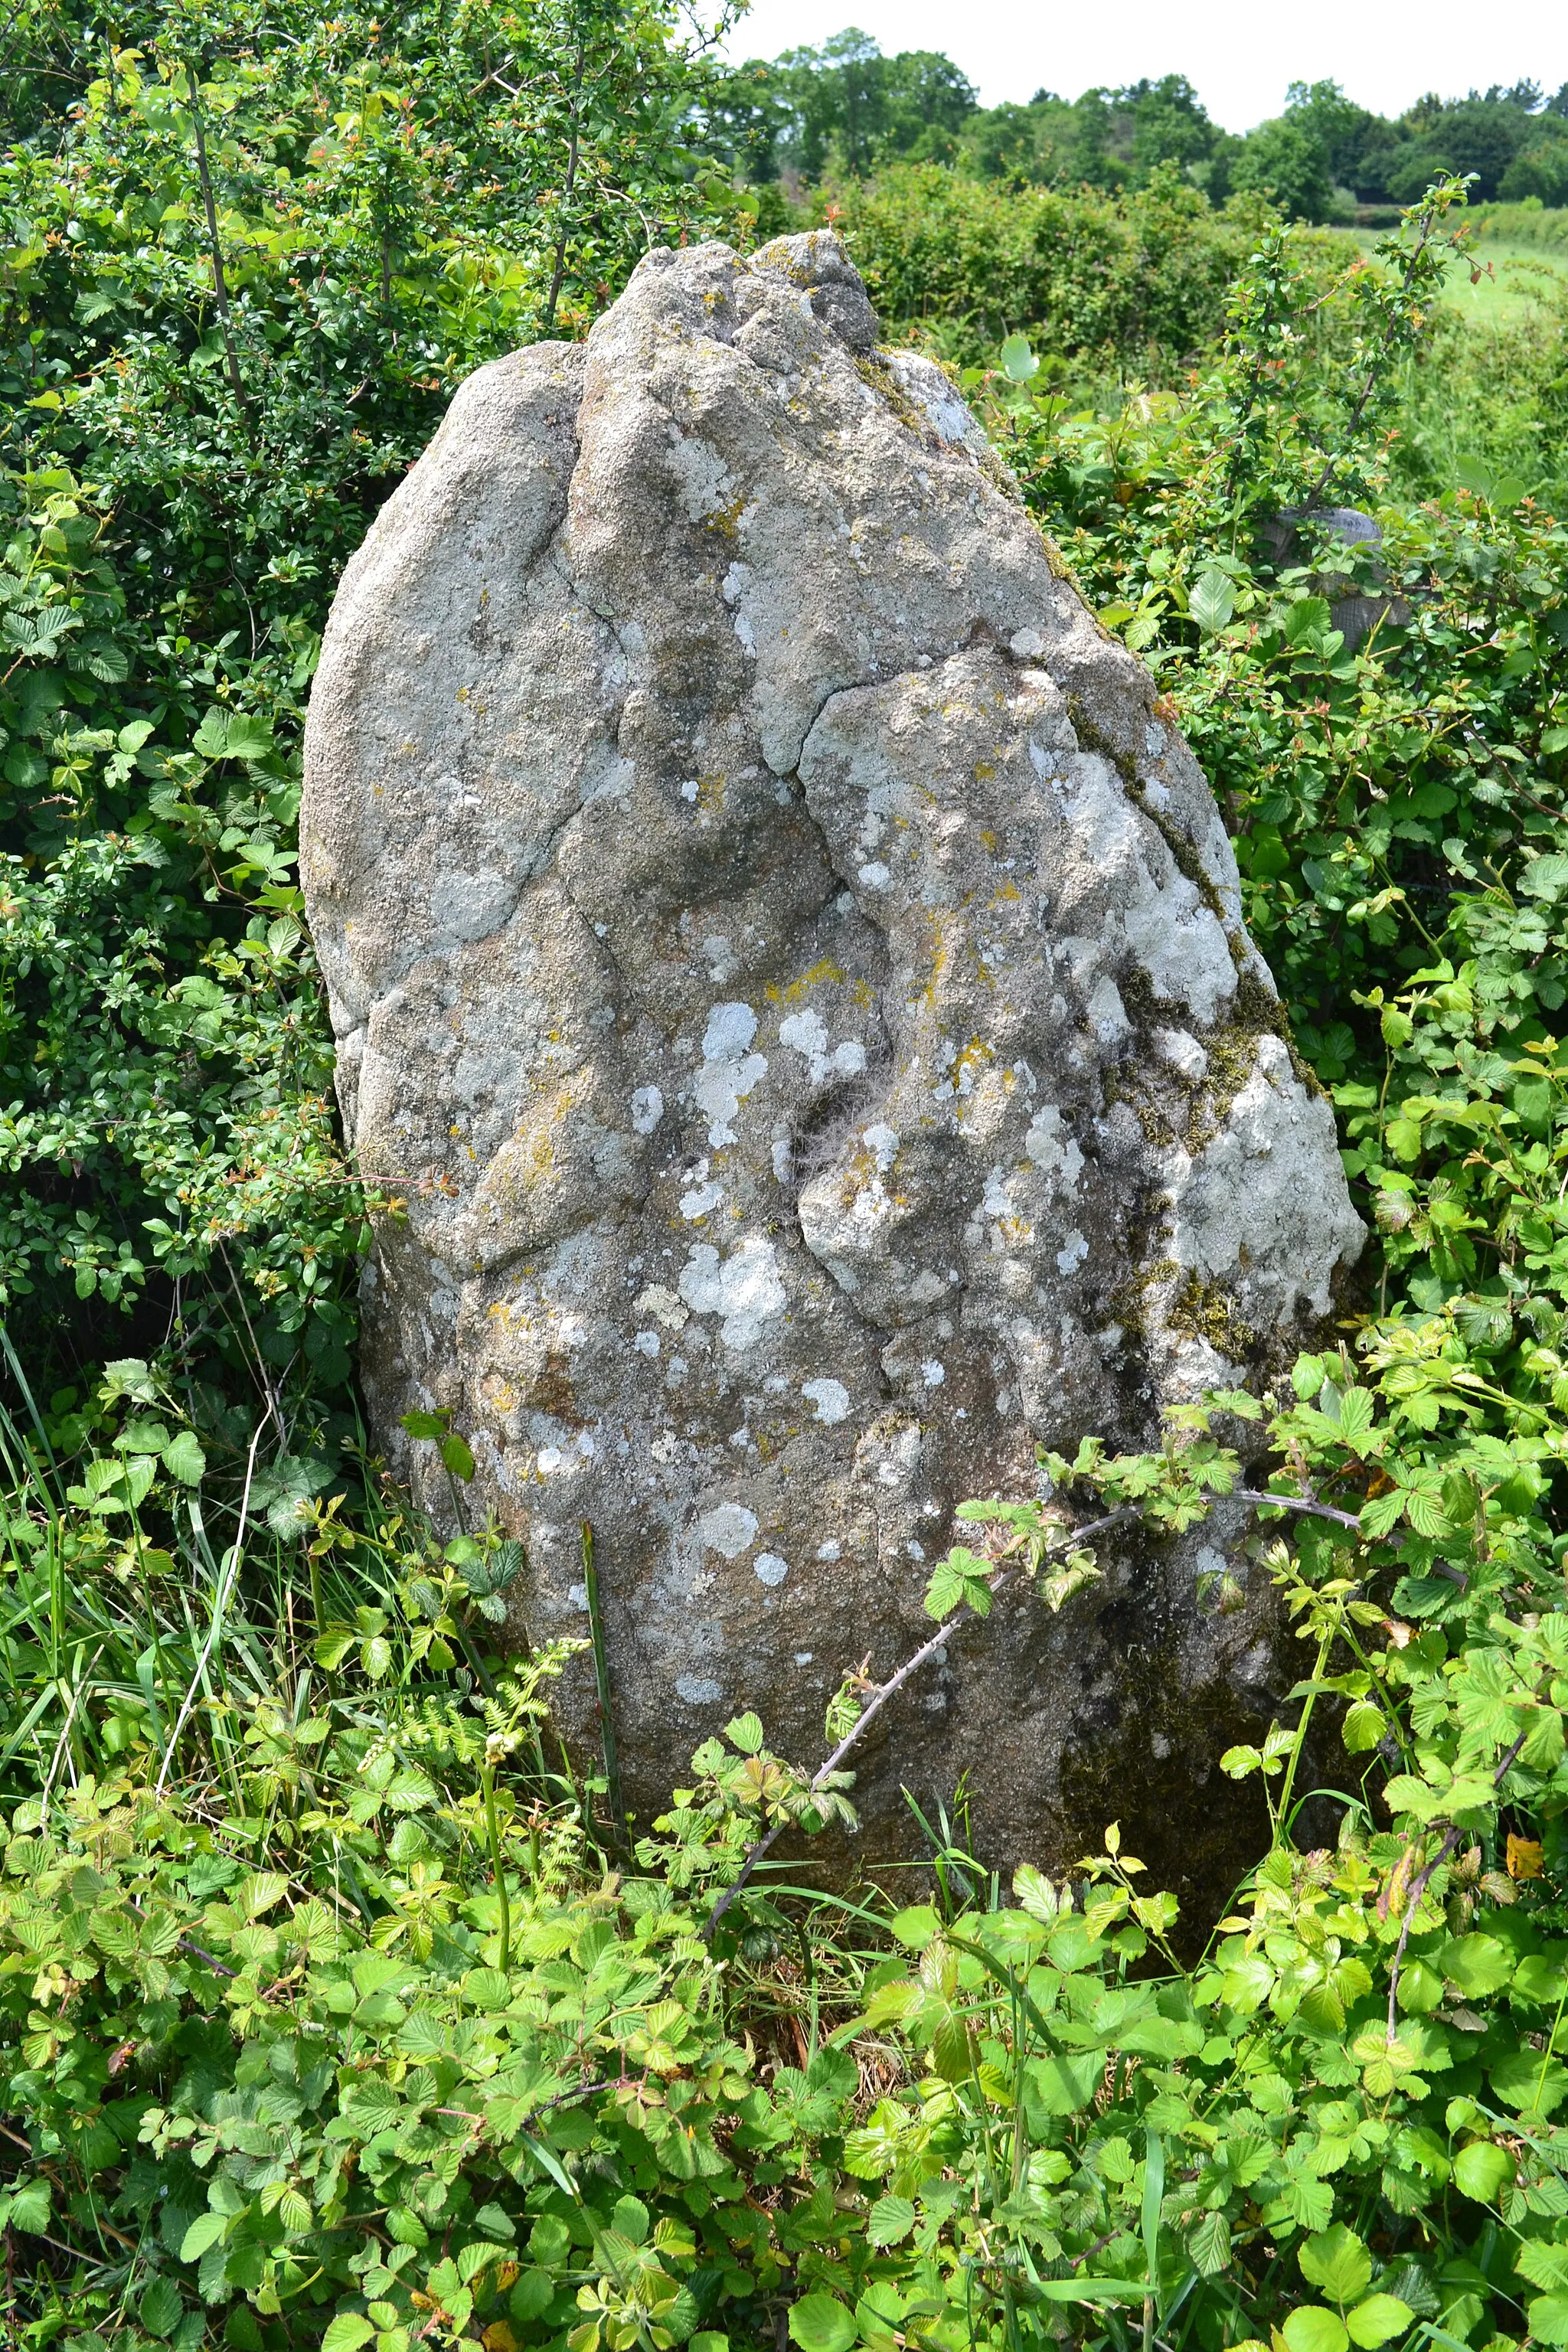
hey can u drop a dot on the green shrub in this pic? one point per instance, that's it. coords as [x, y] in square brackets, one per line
[1141, 278]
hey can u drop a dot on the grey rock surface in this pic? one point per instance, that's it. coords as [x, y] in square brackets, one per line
[797, 981]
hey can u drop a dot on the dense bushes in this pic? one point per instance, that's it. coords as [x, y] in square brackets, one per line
[1140, 280]
[236, 295]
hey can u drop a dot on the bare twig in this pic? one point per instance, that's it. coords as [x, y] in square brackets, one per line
[220, 284]
[1294, 1503]
[892, 1687]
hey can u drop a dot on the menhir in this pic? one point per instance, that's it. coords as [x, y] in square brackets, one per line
[795, 975]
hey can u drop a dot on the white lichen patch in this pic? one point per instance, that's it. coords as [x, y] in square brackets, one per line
[807, 1033]
[1253, 1211]
[1053, 1149]
[728, 1072]
[706, 484]
[831, 1399]
[729, 1528]
[744, 1288]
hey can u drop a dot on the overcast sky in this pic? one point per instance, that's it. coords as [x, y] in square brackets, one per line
[1240, 54]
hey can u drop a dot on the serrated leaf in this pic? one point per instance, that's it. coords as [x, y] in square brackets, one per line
[819, 2322]
[1364, 1726]
[1426, 1515]
[1208, 2244]
[889, 2220]
[206, 2231]
[1338, 2262]
[1548, 2317]
[1311, 2328]
[184, 1459]
[347, 2332]
[161, 2308]
[1212, 601]
[1035, 1893]
[456, 1457]
[1377, 2319]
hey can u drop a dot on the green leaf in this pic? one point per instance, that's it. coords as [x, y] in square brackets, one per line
[205, 2232]
[630, 2220]
[1018, 362]
[1420, 1988]
[1481, 2171]
[1529, 2082]
[184, 1459]
[1212, 601]
[915, 1925]
[1364, 1726]
[1337, 2262]
[1208, 2244]
[1311, 2328]
[232, 735]
[29, 2206]
[817, 2323]
[1478, 1965]
[1378, 2319]
[456, 1457]
[1542, 2264]
[1383, 1512]
[347, 2332]
[1548, 2317]
[891, 2219]
[744, 1732]
[160, 2307]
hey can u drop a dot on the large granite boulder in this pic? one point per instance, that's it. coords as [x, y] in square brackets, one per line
[793, 970]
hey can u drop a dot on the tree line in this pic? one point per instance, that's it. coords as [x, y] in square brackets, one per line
[846, 109]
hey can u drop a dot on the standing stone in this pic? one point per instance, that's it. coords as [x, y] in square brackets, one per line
[794, 974]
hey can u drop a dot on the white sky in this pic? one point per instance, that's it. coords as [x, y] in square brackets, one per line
[1239, 54]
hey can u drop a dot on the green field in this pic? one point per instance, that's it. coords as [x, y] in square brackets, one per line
[1515, 278]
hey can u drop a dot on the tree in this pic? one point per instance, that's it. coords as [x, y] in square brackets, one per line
[1284, 159]
[848, 105]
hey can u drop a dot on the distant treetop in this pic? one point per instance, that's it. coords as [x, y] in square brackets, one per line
[846, 110]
